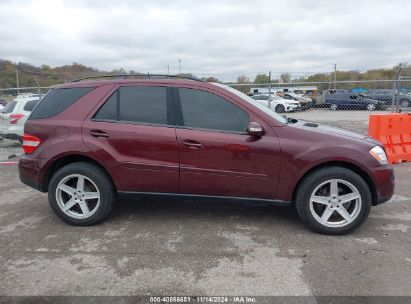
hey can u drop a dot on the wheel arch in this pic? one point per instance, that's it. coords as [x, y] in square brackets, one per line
[69, 159]
[368, 180]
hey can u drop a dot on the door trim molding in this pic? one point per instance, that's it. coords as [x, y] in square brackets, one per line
[198, 197]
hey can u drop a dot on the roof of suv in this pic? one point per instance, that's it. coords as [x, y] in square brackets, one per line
[96, 83]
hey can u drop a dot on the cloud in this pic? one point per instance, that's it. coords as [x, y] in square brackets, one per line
[211, 37]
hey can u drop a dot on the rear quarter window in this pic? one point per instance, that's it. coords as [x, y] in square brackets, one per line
[56, 101]
[29, 106]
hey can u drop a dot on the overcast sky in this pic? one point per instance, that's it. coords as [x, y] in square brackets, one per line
[216, 37]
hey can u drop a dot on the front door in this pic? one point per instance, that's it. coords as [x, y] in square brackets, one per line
[217, 156]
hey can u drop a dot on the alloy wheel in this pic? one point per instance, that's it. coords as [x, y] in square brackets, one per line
[371, 107]
[335, 203]
[77, 196]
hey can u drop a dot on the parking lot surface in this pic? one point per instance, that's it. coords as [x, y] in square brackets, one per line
[159, 247]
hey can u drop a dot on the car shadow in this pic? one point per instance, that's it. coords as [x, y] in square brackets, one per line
[246, 212]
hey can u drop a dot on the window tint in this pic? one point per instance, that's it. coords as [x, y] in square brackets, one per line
[109, 109]
[9, 107]
[208, 111]
[143, 104]
[29, 106]
[56, 101]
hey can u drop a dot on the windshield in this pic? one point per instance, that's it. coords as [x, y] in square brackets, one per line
[252, 101]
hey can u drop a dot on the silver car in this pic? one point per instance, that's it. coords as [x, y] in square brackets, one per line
[14, 116]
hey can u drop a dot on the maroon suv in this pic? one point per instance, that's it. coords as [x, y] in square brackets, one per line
[89, 142]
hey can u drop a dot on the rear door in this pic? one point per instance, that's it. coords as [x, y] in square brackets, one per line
[135, 129]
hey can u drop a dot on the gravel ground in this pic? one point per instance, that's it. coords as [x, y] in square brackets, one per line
[190, 248]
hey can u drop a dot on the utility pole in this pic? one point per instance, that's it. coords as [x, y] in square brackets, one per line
[17, 81]
[269, 89]
[395, 105]
[335, 76]
[168, 69]
[179, 66]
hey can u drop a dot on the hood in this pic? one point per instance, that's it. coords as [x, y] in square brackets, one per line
[330, 130]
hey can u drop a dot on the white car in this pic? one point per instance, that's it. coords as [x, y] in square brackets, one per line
[14, 116]
[278, 104]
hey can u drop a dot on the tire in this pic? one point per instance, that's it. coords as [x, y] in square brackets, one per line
[334, 107]
[280, 109]
[404, 103]
[312, 212]
[371, 107]
[96, 183]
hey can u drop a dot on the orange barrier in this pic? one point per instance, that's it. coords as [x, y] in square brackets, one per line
[394, 131]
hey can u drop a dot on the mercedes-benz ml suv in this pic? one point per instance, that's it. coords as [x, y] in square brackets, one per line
[88, 142]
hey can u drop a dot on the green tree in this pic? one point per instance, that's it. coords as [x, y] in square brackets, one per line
[261, 79]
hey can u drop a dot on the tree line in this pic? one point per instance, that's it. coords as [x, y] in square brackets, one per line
[29, 75]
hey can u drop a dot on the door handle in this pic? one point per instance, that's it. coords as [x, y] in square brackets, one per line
[98, 133]
[192, 144]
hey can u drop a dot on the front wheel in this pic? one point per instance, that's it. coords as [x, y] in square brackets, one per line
[334, 107]
[81, 194]
[333, 200]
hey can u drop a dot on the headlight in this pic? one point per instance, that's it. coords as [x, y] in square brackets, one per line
[379, 154]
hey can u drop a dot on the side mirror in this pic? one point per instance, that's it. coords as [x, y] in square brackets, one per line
[255, 129]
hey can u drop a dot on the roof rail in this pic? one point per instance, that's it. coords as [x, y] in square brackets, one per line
[148, 76]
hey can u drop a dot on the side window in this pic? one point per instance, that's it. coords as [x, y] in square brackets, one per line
[136, 104]
[205, 110]
[109, 109]
[29, 106]
[9, 107]
[143, 105]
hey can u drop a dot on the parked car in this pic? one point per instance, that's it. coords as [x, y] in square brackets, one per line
[305, 102]
[88, 142]
[14, 116]
[349, 100]
[277, 104]
[387, 96]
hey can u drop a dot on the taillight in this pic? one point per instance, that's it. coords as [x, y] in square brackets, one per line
[30, 143]
[14, 118]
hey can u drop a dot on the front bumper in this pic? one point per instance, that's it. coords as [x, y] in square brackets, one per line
[292, 108]
[384, 181]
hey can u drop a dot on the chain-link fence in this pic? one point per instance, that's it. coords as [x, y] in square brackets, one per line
[345, 104]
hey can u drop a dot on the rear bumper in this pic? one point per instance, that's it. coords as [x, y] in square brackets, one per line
[32, 171]
[384, 181]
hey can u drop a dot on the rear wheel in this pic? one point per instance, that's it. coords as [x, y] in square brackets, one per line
[334, 107]
[333, 200]
[280, 109]
[81, 194]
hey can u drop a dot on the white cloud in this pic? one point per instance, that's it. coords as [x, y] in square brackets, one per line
[218, 37]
